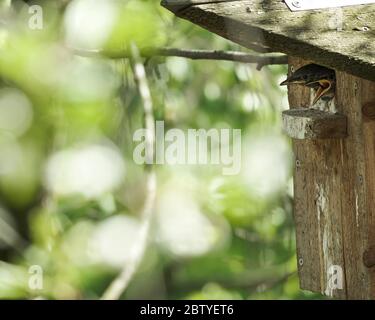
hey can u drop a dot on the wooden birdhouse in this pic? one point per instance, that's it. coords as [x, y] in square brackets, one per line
[334, 142]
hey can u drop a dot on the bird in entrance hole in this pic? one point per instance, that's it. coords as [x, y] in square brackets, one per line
[321, 79]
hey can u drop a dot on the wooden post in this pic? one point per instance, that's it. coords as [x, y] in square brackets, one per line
[334, 190]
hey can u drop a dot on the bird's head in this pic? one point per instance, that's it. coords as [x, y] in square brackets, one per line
[314, 76]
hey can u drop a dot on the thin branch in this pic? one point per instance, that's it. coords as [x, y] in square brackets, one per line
[121, 282]
[195, 54]
[258, 47]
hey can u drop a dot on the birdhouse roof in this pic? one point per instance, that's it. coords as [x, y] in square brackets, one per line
[339, 38]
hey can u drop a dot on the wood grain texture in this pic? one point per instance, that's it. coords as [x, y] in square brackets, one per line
[330, 37]
[334, 188]
[368, 97]
[317, 215]
[303, 123]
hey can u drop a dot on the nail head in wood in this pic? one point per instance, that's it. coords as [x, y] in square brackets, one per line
[304, 123]
[300, 262]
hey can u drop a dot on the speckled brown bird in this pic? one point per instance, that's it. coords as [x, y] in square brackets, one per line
[321, 79]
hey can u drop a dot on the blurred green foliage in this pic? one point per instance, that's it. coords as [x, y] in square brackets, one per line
[61, 112]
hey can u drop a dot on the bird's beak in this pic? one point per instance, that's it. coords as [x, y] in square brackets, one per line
[284, 83]
[325, 86]
[287, 81]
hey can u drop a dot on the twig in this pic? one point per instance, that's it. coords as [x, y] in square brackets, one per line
[195, 54]
[121, 282]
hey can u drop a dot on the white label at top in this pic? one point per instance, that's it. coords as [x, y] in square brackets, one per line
[299, 5]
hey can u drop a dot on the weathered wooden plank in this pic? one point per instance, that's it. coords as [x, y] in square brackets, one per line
[353, 188]
[317, 214]
[342, 38]
[309, 123]
[368, 98]
[334, 188]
